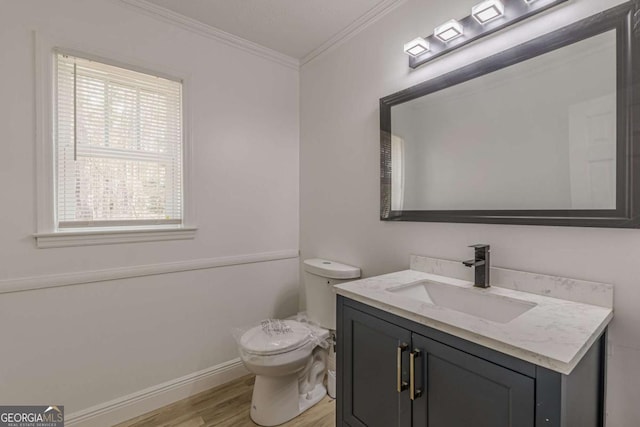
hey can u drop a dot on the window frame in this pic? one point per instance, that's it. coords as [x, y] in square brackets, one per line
[48, 234]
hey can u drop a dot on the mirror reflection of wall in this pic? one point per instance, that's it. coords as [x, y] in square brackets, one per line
[397, 173]
[540, 134]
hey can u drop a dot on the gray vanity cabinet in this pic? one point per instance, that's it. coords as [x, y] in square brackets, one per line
[384, 361]
[458, 389]
[374, 400]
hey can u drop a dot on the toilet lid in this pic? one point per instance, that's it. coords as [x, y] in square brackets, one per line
[274, 336]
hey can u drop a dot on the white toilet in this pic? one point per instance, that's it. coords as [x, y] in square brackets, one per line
[289, 358]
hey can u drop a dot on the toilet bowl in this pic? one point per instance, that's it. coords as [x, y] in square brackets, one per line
[289, 366]
[289, 357]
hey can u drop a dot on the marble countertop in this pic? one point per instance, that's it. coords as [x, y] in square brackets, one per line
[555, 334]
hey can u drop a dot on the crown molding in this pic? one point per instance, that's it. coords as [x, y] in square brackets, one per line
[208, 31]
[373, 15]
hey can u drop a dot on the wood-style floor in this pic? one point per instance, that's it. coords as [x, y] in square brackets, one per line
[227, 406]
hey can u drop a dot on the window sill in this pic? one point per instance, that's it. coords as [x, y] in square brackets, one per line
[63, 239]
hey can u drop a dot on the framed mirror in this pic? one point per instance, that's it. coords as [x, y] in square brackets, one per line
[539, 134]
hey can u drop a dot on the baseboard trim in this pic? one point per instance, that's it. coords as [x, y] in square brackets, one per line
[68, 279]
[133, 405]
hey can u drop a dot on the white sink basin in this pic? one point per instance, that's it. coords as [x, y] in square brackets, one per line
[474, 301]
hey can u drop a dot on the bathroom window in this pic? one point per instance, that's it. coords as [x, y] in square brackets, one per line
[118, 150]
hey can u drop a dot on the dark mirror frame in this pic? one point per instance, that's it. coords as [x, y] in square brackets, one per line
[625, 19]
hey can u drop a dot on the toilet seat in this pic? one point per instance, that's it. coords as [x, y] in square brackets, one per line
[274, 337]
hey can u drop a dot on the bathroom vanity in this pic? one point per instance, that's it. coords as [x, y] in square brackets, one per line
[424, 347]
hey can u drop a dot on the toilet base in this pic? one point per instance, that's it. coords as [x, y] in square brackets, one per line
[277, 400]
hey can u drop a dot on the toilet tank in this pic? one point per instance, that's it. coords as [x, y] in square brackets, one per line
[320, 275]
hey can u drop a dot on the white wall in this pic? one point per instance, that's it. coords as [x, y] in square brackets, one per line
[87, 344]
[340, 180]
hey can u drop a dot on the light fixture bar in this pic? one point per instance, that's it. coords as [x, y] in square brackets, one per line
[486, 18]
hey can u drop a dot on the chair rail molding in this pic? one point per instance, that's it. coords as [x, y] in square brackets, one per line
[83, 277]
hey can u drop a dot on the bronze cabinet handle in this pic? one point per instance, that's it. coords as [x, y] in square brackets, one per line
[402, 385]
[413, 392]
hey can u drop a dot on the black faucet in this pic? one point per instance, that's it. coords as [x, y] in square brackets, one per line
[481, 265]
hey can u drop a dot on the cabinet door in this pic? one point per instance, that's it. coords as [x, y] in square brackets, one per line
[370, 387]
[461, 390]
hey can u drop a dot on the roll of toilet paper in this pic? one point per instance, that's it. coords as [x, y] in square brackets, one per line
[331, 372]
[331, 384]
[331, 360]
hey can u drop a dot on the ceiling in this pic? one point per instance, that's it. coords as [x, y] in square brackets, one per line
[293, 27]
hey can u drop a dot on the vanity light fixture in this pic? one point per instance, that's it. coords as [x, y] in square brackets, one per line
[448, 31]
[416, 47]
[487, 17]
[487, 11]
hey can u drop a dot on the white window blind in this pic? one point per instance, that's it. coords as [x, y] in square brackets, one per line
[119, 143]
